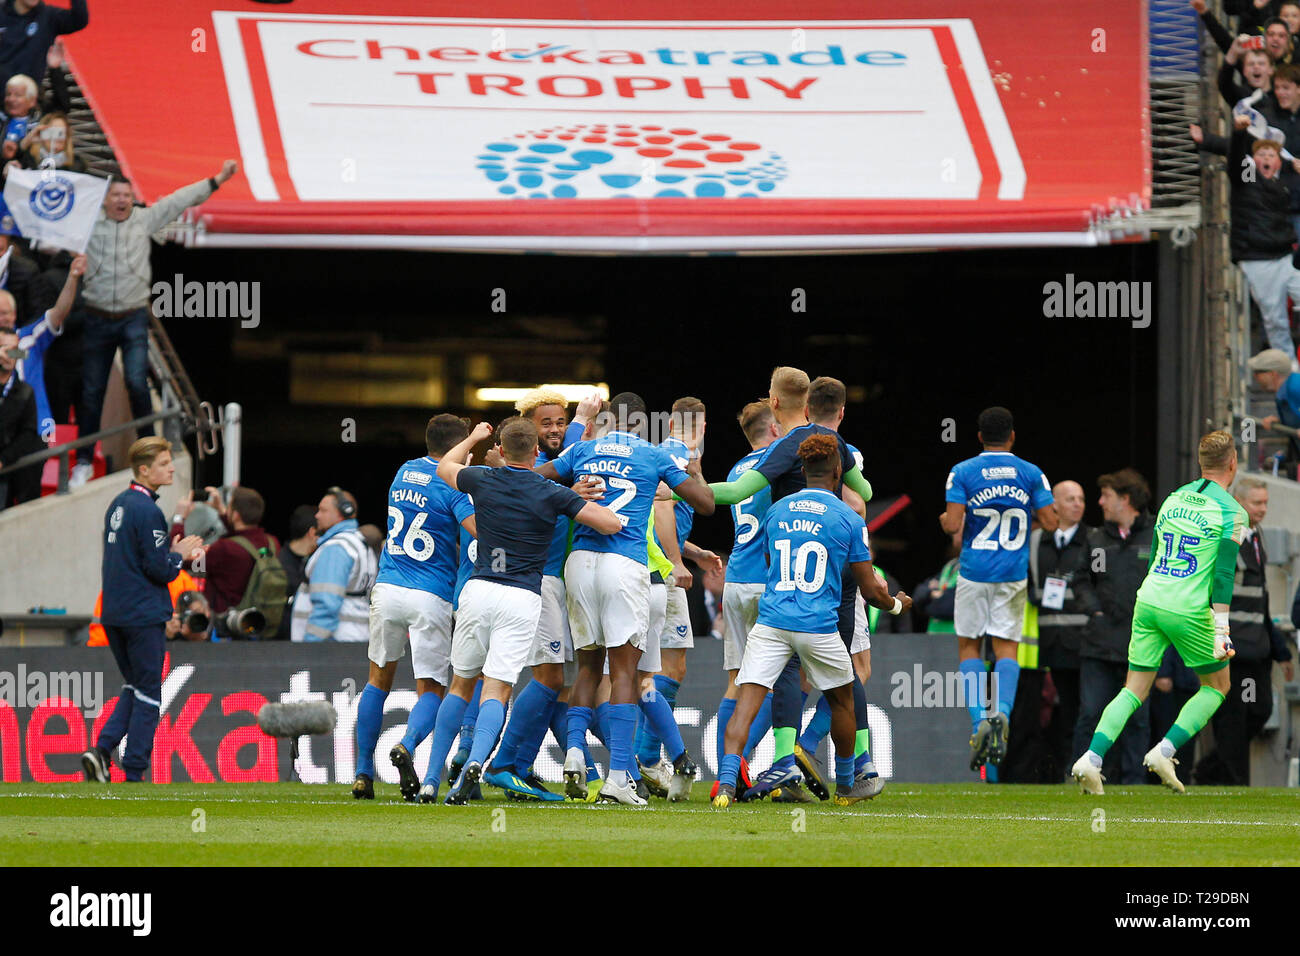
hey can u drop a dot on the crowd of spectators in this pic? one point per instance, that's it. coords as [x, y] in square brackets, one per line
[1259, 80]
[68, 366]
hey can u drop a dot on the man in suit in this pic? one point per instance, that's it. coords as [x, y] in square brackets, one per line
[18, 429]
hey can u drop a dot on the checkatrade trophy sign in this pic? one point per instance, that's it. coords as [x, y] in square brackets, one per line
[55, 206]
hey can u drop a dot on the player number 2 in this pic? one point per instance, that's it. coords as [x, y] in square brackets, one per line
[626, 490]
[417, 545]
[800, 577]
[1000, 523]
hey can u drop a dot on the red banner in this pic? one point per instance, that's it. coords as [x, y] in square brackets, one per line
[821, 125]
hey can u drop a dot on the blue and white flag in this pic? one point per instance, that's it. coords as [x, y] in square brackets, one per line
[57, 207]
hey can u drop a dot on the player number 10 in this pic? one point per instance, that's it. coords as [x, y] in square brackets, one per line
[800, 578]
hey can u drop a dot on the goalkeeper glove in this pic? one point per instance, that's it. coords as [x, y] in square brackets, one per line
[1223, 649]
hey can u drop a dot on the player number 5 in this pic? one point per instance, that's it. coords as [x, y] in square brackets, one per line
[746, 525]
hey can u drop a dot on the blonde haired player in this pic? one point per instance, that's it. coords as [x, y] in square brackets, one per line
[1184, 602]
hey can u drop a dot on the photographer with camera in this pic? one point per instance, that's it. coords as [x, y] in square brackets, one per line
[246, 584]
[191, 618]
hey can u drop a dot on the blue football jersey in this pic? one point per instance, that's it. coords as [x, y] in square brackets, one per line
[1001, 493]
[681, 456]
[748, 561]
[424, 516]
[560, 540]
[811, 536]
[632, 469]
[856, 457]
[465, 567]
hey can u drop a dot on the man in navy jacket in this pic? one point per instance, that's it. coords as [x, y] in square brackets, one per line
[138, 563]
[27, 30]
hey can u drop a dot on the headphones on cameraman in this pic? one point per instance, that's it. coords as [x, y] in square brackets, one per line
[346, 508]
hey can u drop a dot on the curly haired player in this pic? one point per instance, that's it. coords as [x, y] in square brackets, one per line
[810, 536]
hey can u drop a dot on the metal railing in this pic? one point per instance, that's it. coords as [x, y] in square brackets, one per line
[65, 451]
[1174, 66]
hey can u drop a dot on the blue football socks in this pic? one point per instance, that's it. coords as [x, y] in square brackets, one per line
[729, 769]
[445, 729]
[491, 718]
[580, 720]
[621, 723]
[528, 717]
[660, 730]
[818, 727]
[370, 717]
[972, 672]
[420, 724]
[1007, 672]
[844, 771]
[726, 708]
[600, 723]
[470, 717]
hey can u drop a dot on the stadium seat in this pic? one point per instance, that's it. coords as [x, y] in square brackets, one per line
[50, 474]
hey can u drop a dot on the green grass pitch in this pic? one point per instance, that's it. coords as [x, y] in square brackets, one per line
[909, 824]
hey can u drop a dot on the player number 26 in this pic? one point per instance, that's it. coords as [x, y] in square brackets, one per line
[418, 543]
[1010, 528]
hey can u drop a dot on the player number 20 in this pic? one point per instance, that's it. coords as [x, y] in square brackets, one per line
[1000, 523]
[418, 543]
[800, 578]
